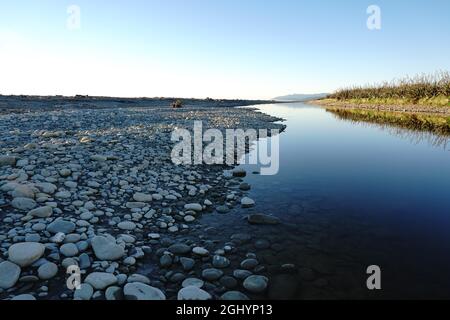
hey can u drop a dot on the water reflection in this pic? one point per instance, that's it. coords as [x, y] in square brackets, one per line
[350, 195]
[413, 136]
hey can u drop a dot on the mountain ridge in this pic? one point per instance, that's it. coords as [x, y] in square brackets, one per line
[301, 97]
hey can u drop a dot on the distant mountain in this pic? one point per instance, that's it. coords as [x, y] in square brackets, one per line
[301, 97]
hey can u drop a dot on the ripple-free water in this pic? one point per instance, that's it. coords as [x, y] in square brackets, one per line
[353, 195]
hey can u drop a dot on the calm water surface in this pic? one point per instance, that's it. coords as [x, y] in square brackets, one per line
[352, 195]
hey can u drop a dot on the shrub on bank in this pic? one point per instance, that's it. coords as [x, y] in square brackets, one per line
[177, 104]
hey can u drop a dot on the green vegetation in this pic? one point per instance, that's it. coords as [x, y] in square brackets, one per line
[427, 90]
[438, 124]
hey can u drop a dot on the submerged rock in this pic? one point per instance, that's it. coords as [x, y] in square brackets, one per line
[222, 209]
[239, 173]
[263, 219]
[247, 202]
[283, 287]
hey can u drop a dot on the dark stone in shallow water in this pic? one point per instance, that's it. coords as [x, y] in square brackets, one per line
[222, 209]
[241, 237]
[245, 187]
[262, 244]
[239, 173]
[263, 219]
[283, 287]
[228, 282]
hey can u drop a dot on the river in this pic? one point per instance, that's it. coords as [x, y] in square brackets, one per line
[352, 195]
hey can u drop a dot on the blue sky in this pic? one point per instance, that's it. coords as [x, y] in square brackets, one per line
[216, 48]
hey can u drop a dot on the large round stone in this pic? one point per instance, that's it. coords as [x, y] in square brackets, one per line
[212, 274]
[61, 225]
[107, 249]
[200, 251]
[193, 293]
[25, 253]
[85, 292]
[46, 187]
[234, 296]
[246, 202]
[7, 161]
[256, 284]
[23, 204]
[179, 248]
[23, 191]
[69, 250]
[47, 271]
[42, 212]
[101, 280]
[193, 206]
[127, 225]
[24, 297]
[114, 293]
[192, 282]
[220, 262]
[140, 291]
[142, 197]
[9, 274]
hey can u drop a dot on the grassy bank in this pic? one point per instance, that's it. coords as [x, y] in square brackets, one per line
[426, 90]
[438, 124]
[419, 103]
[439, 101]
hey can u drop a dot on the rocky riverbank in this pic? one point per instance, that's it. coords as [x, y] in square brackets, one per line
[20, 104]
[94, 187]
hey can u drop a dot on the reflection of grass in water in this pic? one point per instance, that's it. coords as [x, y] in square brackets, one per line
[414, 127]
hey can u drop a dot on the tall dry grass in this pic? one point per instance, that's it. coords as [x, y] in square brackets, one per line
[415, 89]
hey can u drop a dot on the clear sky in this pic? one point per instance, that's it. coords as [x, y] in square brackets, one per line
[216, 48]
